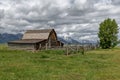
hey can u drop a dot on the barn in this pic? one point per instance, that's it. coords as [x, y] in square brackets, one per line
[36, 40]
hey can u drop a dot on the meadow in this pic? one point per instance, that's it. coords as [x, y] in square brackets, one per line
[97, 64]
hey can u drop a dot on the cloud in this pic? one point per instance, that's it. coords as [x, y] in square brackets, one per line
[73, 18]
[1, 14]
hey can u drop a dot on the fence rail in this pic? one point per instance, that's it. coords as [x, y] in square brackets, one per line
[73, 48]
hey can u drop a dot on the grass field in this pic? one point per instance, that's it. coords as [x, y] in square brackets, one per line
[54, 65]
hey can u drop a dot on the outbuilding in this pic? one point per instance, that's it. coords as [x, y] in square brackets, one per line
[37, 40]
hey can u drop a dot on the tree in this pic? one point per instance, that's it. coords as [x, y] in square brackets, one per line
[108, 31]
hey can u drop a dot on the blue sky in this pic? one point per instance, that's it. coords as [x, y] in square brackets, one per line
[79, 19]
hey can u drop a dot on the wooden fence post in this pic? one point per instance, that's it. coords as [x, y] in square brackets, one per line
[67, 52]
[83, 50]
[40, 47]
[46, 46]
[77, 48]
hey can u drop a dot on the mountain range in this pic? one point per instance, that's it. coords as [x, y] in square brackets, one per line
[5, 37]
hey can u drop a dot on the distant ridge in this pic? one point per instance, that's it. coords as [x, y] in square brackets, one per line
[5, 37]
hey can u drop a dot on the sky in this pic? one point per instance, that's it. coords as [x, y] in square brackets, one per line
[78, 19]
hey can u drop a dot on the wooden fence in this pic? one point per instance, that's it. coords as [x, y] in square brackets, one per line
[79, 48]
[73, 48]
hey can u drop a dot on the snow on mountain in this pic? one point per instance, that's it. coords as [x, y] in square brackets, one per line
[5, 37]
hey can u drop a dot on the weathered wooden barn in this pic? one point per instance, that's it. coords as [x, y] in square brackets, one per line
[37, 40]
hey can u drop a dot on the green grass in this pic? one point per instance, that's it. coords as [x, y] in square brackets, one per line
[54, 65]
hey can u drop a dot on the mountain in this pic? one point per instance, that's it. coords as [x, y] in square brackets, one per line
[5, 37]
[68, 40]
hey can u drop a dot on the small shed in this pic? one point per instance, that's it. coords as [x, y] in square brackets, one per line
[37, 40]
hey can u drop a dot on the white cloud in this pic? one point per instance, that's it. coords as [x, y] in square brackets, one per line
[76, 18]
[81, 4]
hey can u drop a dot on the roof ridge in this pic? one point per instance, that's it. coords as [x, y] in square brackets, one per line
[39, 31]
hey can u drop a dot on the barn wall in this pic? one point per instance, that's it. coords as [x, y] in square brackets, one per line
[49, 37]
[42, 45]
[52, 41]
[21, 46]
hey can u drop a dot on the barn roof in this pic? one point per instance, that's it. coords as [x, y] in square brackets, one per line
[40, 31]
[37, 34]
[27, 41]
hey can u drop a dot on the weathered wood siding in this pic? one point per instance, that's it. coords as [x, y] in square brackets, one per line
[21, 46]
[52, 41]
[42, 45]
[36, 40]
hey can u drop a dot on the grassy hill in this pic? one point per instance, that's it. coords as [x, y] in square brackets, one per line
[54, 65]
